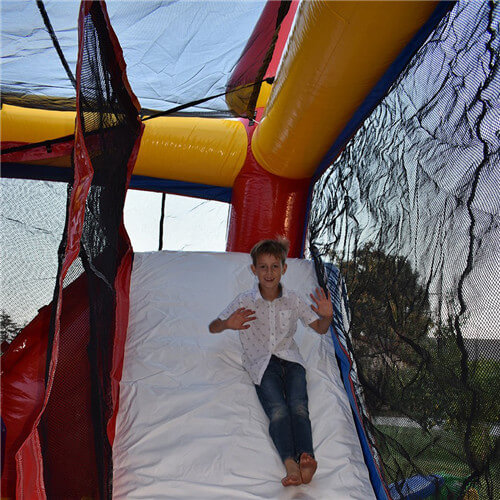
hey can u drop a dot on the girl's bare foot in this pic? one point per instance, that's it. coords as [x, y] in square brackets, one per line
[292, 477]
[307, 467]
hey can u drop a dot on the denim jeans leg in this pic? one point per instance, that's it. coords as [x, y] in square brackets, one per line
[272, 398]
[297, 400]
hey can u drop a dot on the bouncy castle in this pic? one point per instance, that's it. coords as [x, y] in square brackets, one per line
[366, 133]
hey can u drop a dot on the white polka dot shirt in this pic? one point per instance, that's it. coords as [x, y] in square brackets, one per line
[273, 329]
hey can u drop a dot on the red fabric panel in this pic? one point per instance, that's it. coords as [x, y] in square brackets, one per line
[286, 25]
[265, 206]
[122, 286]
[31, 485]
[23, 388]
[23, 380]
[34, 153]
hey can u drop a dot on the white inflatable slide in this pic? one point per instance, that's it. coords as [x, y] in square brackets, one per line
[190, 425]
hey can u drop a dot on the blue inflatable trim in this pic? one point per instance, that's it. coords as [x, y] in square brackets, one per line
[191, 189]
[63, 174]
[336, 286]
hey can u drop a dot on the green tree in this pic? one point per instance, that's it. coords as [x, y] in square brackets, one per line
[391, 321]
[8, 328]
[411, 365]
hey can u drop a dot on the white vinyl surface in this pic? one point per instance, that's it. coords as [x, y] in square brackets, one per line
[190, 425]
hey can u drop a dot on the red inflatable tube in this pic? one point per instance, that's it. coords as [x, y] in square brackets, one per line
[265, 205]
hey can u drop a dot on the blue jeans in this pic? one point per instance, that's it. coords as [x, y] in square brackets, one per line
[283, 395]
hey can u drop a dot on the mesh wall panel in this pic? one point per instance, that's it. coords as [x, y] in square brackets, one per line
[409, 211]
[70, 453]
[78, 461]
[32, 215]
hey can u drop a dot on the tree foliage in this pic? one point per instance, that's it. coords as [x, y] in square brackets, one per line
[391, 321]
[413, 365]
[8, 328]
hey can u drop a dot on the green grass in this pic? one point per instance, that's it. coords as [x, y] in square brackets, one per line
[430, 458]
[437, 451]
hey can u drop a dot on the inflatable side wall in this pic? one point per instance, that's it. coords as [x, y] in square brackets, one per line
[336, 53]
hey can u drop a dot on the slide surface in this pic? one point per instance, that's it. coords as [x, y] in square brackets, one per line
[190, 424]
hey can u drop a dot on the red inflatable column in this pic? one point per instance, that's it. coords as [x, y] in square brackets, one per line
[264, 206]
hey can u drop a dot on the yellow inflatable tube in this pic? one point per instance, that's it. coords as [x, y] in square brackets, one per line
[35, 125]
[201, 150]
[336, 53]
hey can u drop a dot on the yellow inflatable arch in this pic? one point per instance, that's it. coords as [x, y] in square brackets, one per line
[336, 53]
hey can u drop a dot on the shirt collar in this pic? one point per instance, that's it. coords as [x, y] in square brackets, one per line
[258, 297]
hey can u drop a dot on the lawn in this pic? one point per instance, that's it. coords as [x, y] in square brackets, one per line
[434, 452]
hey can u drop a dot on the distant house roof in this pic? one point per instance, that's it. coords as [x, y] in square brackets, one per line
[483, 349]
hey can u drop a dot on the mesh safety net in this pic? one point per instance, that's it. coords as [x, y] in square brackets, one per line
[87, 321]
[32, 222]
[409, 212]
[108, 129]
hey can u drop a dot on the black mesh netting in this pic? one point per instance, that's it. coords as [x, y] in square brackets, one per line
[75, 444]
[32, 216]
[410, 214]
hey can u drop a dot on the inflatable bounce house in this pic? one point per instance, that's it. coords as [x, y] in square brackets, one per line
[367, 133]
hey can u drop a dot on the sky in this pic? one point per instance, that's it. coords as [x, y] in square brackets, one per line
[32, 218]
[190, 224]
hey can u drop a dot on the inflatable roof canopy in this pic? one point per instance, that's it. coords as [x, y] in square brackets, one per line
[336, 54]
[366, 130]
